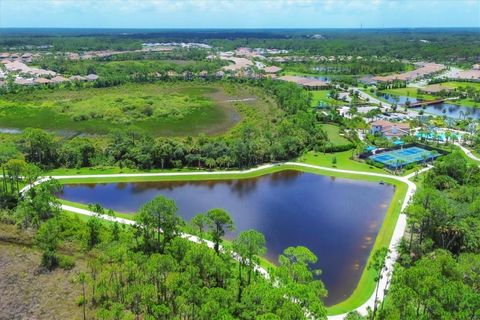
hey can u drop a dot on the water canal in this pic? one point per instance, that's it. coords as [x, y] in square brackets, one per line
[338, 219]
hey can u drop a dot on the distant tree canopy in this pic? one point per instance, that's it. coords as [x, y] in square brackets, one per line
[420, 44]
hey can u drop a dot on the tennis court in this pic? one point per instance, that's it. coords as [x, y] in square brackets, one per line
[398, 158]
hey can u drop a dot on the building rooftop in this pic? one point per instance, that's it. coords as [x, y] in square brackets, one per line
[272, 69]
[306, 82]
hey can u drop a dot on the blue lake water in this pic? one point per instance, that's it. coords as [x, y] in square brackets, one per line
[338, 219]
[439, 109]
[451, 110]
[397, 99]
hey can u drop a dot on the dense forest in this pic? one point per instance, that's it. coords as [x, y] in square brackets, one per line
[116, 67]
[438, 273]
[430, 44]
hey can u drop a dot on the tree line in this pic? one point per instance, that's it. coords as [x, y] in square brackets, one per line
[285, 138]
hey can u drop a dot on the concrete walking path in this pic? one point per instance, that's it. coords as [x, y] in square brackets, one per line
[396, 237]
[467, 152]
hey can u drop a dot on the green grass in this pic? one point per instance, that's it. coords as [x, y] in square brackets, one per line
[459, 84]
[343, 161]
[465, 103]
[408, 92]
[333, 133]
[159, 109]
[321, 96]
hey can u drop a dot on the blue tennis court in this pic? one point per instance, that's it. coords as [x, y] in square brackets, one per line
[398, 158]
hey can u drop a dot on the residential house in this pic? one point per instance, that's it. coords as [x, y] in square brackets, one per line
[389, 129]
[58, 79]
[91, 77]
[272, 69]
[309, 84]
[77, 78]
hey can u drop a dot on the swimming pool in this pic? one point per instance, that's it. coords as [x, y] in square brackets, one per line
[439, 136]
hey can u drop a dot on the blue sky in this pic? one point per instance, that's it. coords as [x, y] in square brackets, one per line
[239, 13]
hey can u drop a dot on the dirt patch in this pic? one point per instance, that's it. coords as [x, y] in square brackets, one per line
[27, 292]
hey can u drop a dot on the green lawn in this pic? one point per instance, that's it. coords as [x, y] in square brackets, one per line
[321, 96]
[408, 92]
[159, 109]
[458, 84]
[333, 133]
[343, 161]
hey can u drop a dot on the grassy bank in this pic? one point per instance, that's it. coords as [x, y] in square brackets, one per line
[321, 96]
[333, 133]
[342, 159]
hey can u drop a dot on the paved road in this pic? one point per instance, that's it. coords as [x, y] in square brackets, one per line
[397, 234]
[371, 99]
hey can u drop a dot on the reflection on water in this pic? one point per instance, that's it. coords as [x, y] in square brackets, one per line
[338, 219]
[439, 109]
[397, 99]
[451, 110]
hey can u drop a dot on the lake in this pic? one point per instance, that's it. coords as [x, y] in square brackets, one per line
[451, 110]
[439, 109]
[397, 99]
[338, 219]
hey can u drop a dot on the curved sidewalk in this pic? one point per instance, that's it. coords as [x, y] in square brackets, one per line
[467, 152]
[396, 237]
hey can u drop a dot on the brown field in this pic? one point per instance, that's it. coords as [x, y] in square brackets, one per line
[27, 291]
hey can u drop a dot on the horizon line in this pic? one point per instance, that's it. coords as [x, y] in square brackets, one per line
[241, 28]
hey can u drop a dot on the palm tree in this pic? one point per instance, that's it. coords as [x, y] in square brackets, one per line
[378, 265]
[448, 135]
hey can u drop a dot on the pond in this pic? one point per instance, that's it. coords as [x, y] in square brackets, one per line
[397, 99]
[451, 110]
[338, 219]
[439, 109]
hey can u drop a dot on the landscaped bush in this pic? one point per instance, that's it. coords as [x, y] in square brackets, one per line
[375, 164]
[338, 148]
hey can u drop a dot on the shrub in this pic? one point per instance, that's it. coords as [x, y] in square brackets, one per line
[66, 262]
[49, 259]
[80, 301]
